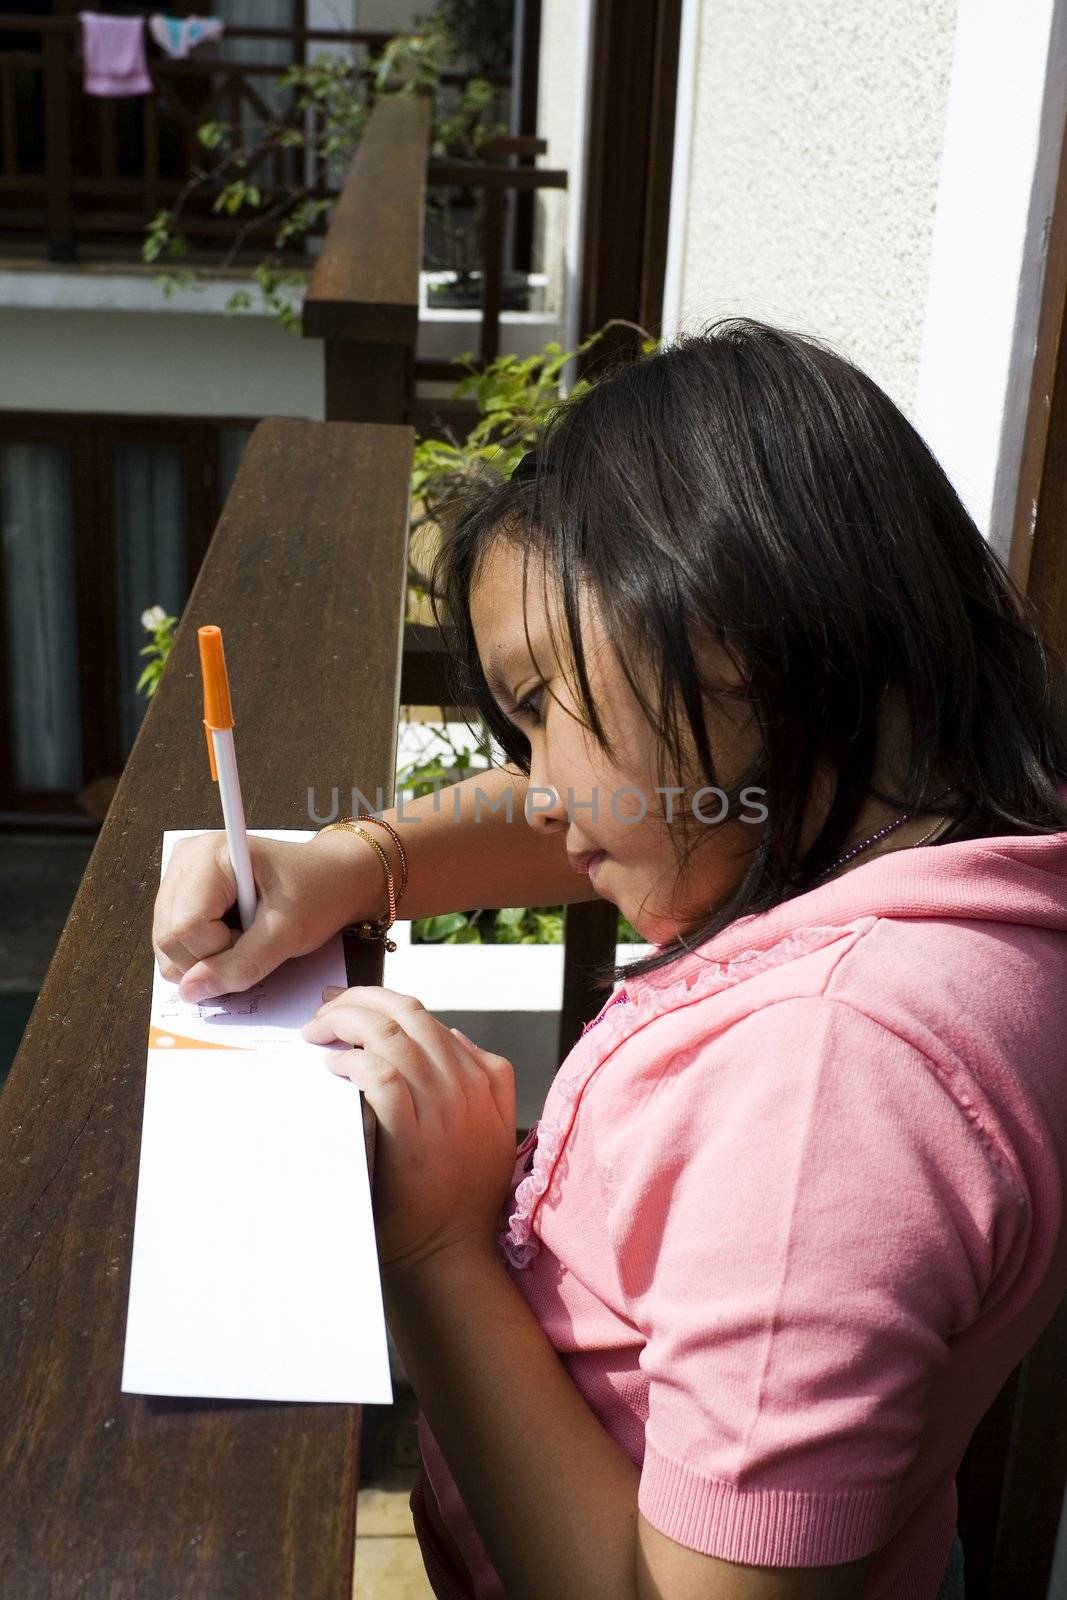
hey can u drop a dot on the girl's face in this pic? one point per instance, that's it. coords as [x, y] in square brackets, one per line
[617, 825]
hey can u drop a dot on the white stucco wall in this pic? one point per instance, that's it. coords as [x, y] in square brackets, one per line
[397, 16]
[153, 364]
[561, 110]
[1003, 133]
[813, 166]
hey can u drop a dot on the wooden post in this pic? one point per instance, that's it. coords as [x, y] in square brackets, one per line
[58, 156]
[590, 929]
[492, 271]
[103, 1493]
[366, 382]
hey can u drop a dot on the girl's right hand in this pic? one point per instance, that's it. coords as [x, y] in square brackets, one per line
[305, 893]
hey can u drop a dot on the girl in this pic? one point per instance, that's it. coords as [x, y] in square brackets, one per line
[722, 1328]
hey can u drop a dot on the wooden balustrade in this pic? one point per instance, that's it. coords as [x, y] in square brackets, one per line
[121, 1495]
[363, 297]
[81, 190]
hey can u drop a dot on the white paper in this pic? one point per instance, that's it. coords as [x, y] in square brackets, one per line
[255, 1273]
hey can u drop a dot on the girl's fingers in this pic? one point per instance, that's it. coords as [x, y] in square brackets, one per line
[175, 962]
[380, 1036]
[386, 1089]
[441, 1050]
[499, 1073]
[354, 1024]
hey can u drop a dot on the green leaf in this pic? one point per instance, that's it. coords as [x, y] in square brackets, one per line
[434, 928]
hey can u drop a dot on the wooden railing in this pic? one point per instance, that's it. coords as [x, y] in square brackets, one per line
[76, 168]
[105, 1493]
[363, 299]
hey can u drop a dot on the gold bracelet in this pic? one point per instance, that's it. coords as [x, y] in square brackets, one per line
[378, 929]
[367, 816]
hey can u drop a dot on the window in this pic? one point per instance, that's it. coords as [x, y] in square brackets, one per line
[100, 517]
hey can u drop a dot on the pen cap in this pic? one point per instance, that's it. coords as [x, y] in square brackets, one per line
[218, 713]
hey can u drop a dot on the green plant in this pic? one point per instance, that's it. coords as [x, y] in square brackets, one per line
[328, 103]
[482, 31]
[161, 627]
[514, 397]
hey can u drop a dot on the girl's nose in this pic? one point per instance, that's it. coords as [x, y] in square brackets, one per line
[545, 808]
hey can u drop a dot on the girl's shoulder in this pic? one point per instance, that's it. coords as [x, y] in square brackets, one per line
[893, 1023]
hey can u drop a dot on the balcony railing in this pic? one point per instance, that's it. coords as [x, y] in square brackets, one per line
[363, 299]
[79, 169]
[105, 1493]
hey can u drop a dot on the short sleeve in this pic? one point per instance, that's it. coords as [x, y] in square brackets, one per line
[803, 1218]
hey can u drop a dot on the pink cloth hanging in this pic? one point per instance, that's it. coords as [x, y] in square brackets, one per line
[114, 55]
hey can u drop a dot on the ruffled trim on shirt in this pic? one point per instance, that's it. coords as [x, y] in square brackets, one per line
[626, 1010]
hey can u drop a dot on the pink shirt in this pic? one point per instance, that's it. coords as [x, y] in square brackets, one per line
[793, 1212]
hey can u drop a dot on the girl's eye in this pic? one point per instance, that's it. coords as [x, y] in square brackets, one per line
[530, 705]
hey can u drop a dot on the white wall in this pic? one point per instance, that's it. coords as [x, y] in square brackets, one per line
[561, 115]
[812, 171]
[998, 177]
[150, 363]
[883, 177]
[393, 16]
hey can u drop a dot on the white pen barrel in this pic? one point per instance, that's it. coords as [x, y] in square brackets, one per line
[233, 813]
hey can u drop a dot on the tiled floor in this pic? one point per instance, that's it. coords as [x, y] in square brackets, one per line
[388, 1563]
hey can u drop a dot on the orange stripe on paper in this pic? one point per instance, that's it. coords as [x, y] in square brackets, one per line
[163, 1039]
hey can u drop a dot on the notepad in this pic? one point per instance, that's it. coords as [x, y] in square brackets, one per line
[255, 1273]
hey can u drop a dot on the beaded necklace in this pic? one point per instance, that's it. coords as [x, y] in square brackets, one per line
[890, 827]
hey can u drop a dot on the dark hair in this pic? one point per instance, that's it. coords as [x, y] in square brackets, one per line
[751, 487]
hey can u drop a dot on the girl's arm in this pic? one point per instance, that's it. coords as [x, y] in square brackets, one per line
[552, 1496]
[470, 845]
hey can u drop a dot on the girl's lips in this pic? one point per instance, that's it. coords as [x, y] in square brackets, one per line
[595, 865]
[588, 861]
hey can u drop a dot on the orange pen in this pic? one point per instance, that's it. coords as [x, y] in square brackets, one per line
[218, 726]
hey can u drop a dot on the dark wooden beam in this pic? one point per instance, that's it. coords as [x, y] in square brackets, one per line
[365, 283]
[426, 677]
[121, 1495]
[628, 169]
[590, 932]
[1041, 496]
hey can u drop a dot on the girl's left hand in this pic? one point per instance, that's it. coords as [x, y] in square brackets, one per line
[445, 1150]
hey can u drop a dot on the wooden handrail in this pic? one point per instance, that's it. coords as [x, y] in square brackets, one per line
[364, 288]
[103, 1493]
[363, 298]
